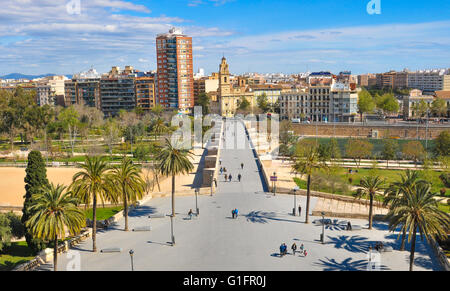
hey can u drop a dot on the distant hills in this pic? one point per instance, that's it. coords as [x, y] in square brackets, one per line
[16, 76]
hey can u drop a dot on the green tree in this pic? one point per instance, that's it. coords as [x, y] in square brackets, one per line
[69, 119]
[413, 150]
[159, 128]
[127, 183]
[389, 104]
[442, 144]
[89, 185]
[390, 148]
[369, 186]
[54, 213]
[358, 149]
[203, 100]
[35, 179]
[5, 232]
[263, 102]
[243, 104]
[306, 161]
[418, 211]
[172, 161]
[365, 103]
[439, 107]
[397, 189]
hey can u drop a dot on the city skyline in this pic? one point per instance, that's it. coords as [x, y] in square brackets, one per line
[299, 37]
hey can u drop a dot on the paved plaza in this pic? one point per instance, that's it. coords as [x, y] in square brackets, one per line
[214, 241]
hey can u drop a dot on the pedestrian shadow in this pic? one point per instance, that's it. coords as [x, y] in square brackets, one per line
[276, 255]
[346, 265]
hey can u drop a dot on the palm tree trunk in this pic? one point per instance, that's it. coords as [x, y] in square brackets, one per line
[308, 198]
[173, 195]
[125, 208]
[371, 211]
[94, 223]
[55, 255]
[413, 249]
[402, 246]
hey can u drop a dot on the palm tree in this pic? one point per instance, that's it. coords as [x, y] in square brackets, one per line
[418, 211]
[173, 162]
[306, 161]
[127, 182]
[159, 128]
[396, 190]
[92, 183]
[54, 213]
[370, 185]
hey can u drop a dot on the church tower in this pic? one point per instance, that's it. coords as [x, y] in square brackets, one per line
[224, 78]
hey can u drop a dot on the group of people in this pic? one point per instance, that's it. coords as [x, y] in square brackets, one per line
[229, 177]
[283, 250]
[234, 213]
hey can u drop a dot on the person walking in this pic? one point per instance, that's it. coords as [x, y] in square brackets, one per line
[239, 177]
[190, 213]
[299, 210]
[221, 170]
[220, 162]
[226, 178]
[230, 177]
[215, 182]
[242, 166]
[302, 247]
[232, 213]
[294, 248]
[236, 213]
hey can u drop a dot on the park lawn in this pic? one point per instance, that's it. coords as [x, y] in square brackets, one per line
[390, 176]
[104, 213]
[14, 255]
[378, 144]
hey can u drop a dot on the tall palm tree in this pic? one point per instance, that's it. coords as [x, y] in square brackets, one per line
[55, 212]
[418, 211]
[172, 161]
[90, 184]
[159, 128]
[127, 183]
[396, 190]
[306, 161]
[370, 185]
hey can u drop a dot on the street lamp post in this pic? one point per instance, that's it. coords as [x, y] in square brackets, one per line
[274, 183]
[294, 212]
[323, 228]
[196, 202]
[131, 256]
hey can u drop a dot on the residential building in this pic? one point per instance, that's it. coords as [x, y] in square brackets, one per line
[367, 80]
[412, 101]
[175, 70]
[117, 91]
[48, 89]
[393, 80]
[146, 91]
[430, 81]
[272, 92]
[83, 89]
[323, 100]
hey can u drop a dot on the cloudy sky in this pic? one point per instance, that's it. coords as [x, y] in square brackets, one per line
[53, 36]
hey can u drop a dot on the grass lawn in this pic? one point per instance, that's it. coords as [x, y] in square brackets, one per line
[104, 213]
[16, 254]
[377, 144]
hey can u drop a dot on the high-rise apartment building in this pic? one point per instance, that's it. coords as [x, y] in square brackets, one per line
[49, 89]
[117, 91]
[175, 70]
[430, 81]
[83, 89]
[145, 91]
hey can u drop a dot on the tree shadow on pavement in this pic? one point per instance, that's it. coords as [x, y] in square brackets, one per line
[346, 265]
[142, 211]
[354, 244]
[264, 217]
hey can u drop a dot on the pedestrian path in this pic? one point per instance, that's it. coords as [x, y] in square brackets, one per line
[236, 150]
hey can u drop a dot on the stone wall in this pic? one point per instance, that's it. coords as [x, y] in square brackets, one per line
[384, 131]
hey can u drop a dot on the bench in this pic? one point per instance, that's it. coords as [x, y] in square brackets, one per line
[111, 250]
[142, 228]
[154, 216]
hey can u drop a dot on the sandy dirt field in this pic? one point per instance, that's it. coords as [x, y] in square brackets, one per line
[12, 185]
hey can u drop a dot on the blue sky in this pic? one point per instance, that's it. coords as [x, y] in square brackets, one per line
[40, 36]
